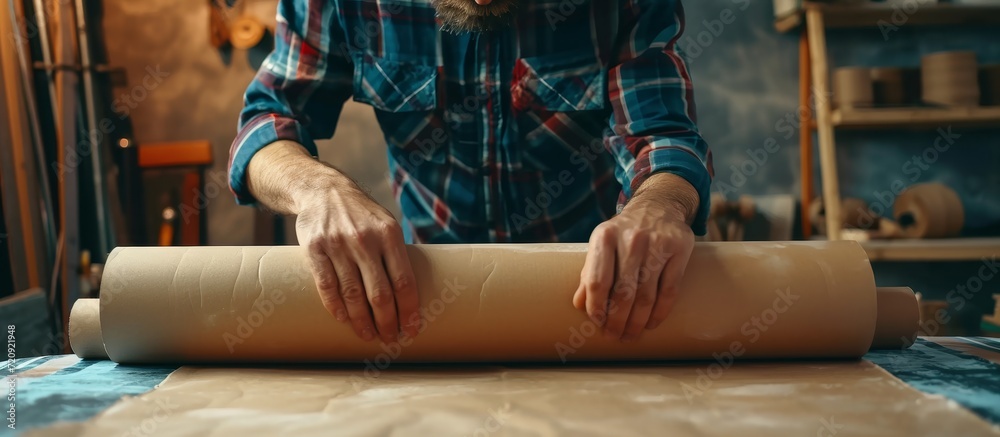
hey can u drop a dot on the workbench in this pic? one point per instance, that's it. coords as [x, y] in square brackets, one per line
[966, 370]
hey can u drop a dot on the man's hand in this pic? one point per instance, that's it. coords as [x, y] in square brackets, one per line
[635, 261]
[355, 247]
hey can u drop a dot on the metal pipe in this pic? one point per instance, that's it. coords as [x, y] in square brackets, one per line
[46, 49]
[91, 111]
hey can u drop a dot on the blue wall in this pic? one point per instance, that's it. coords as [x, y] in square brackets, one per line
[746, 87]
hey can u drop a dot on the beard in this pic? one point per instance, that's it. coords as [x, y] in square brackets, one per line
[467, 16]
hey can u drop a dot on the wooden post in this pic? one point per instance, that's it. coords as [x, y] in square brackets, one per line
[805, 132]
[824, 125]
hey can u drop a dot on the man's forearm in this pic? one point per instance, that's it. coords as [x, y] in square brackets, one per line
[283, 175]
[669, 193]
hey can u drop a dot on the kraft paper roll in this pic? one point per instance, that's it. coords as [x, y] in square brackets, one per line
[898, 318]
[897, 322]
[852, 87]
[950, 78]
[929, 210]
[485, 303]
[85, 330]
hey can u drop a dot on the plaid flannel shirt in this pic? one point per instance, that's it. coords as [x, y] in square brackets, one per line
[529, 134]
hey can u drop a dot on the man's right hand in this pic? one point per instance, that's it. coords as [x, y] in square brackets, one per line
[355, 247]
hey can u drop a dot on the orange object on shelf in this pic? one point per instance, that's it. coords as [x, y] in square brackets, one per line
[175, 154]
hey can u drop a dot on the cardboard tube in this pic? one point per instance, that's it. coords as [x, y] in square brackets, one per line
[950, 78]
[485, 303]
[929, 210]
[85, 330]
[852, 87]
[898, 318]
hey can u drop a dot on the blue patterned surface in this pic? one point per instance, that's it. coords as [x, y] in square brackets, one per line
[84, 389]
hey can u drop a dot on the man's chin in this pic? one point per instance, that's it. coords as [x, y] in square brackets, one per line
[463, 16]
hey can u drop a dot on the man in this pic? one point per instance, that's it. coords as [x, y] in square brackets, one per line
[506, 121]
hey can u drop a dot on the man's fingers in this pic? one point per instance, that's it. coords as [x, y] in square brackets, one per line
[598, 275]
[669, 282]
[631, 254]
[383, 303]
[327, 283]
[646, 296]
[404, 285]
[352, 290]
[580, 297]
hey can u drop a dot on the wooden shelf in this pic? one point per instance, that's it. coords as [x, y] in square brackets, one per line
[869, 15]
[928, 118]
[949, 249]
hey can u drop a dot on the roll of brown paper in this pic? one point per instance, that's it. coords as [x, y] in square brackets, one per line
[85, 330]
[485, 303]
[950, 78]
[852, 87]
[898, 318]
[929, 210]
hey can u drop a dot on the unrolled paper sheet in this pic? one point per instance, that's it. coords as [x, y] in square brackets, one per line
[718, 398]
[485, 303]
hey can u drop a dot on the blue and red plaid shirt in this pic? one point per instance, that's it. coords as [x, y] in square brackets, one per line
[529, 134]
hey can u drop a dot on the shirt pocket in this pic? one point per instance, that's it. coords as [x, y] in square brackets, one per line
[405, 97]
[395, 86]
[560, 103]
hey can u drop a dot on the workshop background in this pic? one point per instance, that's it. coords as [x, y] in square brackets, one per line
[180, 90]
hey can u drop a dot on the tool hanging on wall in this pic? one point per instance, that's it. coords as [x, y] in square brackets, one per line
[233, 25]
[246, 29]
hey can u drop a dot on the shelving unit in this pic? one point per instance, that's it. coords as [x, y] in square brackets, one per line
[869, 14]
[814, 79]
[947, 249]
[915, 118]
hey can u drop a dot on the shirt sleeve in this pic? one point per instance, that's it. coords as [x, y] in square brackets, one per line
[653, 123]
[298, 91]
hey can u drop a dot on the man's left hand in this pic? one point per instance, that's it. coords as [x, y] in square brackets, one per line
[636, 260]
